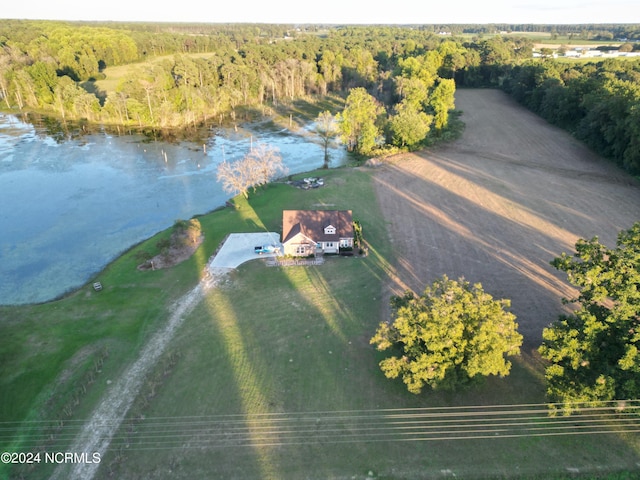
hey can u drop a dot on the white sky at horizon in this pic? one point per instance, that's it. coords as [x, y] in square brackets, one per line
[331, 11]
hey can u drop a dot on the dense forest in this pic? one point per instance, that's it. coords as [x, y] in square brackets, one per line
[404, 78]
[598, 102]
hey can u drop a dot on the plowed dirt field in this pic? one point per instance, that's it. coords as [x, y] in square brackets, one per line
[497, 205]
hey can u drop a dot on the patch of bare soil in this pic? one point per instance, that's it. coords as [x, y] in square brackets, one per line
[180, 250]
[497, 205]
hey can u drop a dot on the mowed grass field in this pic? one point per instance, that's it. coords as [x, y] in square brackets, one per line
[272, 376]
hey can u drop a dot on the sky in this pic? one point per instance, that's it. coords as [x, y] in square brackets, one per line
[331, 11]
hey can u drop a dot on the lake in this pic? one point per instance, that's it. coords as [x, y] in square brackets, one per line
[68, 206]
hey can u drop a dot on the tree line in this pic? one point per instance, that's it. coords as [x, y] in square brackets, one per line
[577, 31]
[182, 79]
[599, 103]
[189, 74]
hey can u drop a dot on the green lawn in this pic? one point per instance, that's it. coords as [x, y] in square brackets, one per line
[268, 374]
[55, 358]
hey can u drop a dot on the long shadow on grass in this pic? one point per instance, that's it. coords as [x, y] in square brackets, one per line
[278, 344]
[288, 348]
[555, 198]
[290, 371]
[296, 340]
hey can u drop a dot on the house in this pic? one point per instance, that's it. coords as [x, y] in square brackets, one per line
[309, 232]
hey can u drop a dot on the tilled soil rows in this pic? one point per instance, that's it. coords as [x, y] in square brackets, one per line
[497, 205]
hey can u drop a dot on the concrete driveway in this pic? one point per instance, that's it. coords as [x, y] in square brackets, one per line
[239, 248]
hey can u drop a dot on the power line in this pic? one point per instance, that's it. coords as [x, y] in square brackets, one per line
[347, 426]
[442, 410]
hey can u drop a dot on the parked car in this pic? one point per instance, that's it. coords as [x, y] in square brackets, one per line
[260, 249]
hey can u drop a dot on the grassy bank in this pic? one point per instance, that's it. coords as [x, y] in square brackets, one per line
[56, 359]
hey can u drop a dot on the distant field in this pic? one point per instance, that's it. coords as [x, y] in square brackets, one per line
[114, 75]
[572, 42]
[500, 203]
[575, 44]
[547, 39]
[593, 59]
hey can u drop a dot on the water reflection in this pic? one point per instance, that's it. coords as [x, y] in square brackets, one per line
[70, 203]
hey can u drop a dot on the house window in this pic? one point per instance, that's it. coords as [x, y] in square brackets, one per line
[328, 245]
[330, 230]
[301, 250]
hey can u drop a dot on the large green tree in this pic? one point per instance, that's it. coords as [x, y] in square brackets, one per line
[452, 334]
[594, 352]
[358, 121]
[442, 100]
[409, 126]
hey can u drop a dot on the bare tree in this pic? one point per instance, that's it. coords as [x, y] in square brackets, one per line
[5, 69]
[266, 164]
[261, 165]
[234, 178]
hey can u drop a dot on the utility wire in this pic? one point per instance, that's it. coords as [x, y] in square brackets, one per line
[348, 426]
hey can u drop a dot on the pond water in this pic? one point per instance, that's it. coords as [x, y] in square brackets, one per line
[68, 207]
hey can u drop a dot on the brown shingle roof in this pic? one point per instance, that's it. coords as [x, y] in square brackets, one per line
[311, 223]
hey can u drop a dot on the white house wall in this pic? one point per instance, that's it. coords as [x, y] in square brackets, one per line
[299, 240]
[330, 249]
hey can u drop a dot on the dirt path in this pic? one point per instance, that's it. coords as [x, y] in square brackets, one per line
[97, 433]
[499, 204]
